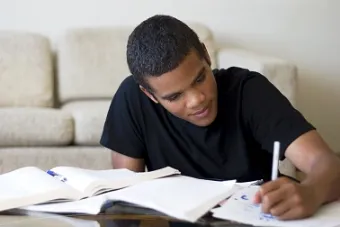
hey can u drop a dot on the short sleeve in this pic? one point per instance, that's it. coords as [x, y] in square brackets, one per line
[269, 115]
[122, 127]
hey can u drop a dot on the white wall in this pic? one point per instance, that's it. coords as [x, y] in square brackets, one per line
[305, 31]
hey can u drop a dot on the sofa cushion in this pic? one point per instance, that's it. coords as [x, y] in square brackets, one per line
[25, 70]
[89, 118]
[34, 127]
[206, 36]
[48, 157]
[282, 73]
[92, 61]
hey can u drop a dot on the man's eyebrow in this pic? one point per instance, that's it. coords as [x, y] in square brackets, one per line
[170, 95]
[200, 73]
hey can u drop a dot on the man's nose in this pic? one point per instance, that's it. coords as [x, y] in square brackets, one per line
[195, 99]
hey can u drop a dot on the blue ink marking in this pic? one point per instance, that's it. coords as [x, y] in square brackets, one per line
[244, 197]
[58, 176]
[266, 217]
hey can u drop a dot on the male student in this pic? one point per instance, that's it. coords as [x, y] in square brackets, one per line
[213, 123]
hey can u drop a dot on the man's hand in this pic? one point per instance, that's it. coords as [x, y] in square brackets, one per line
[287, 199]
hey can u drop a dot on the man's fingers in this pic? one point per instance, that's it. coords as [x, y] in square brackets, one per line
[257, 198]
[282, 207]
[272, 185]
[294, 213]
[273, 198]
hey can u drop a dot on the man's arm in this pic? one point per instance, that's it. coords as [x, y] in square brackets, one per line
[270, 117]
[123, 128]
[289, 200]
[123, 161]
[310, 154]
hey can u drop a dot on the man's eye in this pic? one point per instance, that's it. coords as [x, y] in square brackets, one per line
[200, 78]
[174, 97]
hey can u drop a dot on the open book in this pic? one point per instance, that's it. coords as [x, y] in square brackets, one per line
[31, 185]
[178, 196]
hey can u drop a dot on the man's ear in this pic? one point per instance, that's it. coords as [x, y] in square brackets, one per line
[206, 55]
[147, 93]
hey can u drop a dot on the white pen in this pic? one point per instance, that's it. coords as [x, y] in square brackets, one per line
[275, 164]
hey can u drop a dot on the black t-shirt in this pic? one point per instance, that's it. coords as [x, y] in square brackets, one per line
[252, 114]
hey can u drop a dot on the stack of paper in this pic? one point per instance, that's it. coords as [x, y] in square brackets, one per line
[181, 197]
[70, 190]
[31, 185]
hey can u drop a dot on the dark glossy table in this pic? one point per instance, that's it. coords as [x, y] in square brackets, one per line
[133, 220]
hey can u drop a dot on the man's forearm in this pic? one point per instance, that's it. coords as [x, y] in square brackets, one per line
[122, 161]
[324, 178]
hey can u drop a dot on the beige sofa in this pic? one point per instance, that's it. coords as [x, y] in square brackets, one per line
[54, 98]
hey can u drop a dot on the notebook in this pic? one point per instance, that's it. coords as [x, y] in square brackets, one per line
[240, 208]
[177, 196]
[31, 185]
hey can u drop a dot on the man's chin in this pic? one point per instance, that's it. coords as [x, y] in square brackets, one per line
[204, 122]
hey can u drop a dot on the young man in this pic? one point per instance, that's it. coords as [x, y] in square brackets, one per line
[215, 124]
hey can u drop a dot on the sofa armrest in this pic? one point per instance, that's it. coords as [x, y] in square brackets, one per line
[279, 72]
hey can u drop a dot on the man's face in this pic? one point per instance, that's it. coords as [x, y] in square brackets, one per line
[188, 92]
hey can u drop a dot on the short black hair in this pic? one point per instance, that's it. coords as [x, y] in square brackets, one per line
[158, 45]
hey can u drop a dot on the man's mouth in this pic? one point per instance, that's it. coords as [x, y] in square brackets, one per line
[202, 112]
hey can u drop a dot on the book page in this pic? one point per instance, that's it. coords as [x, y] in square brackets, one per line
[86, 180]
[178, 196]
[181, 197]
[240, 208]
[94, 182]
[30, 185]
[92, 205]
